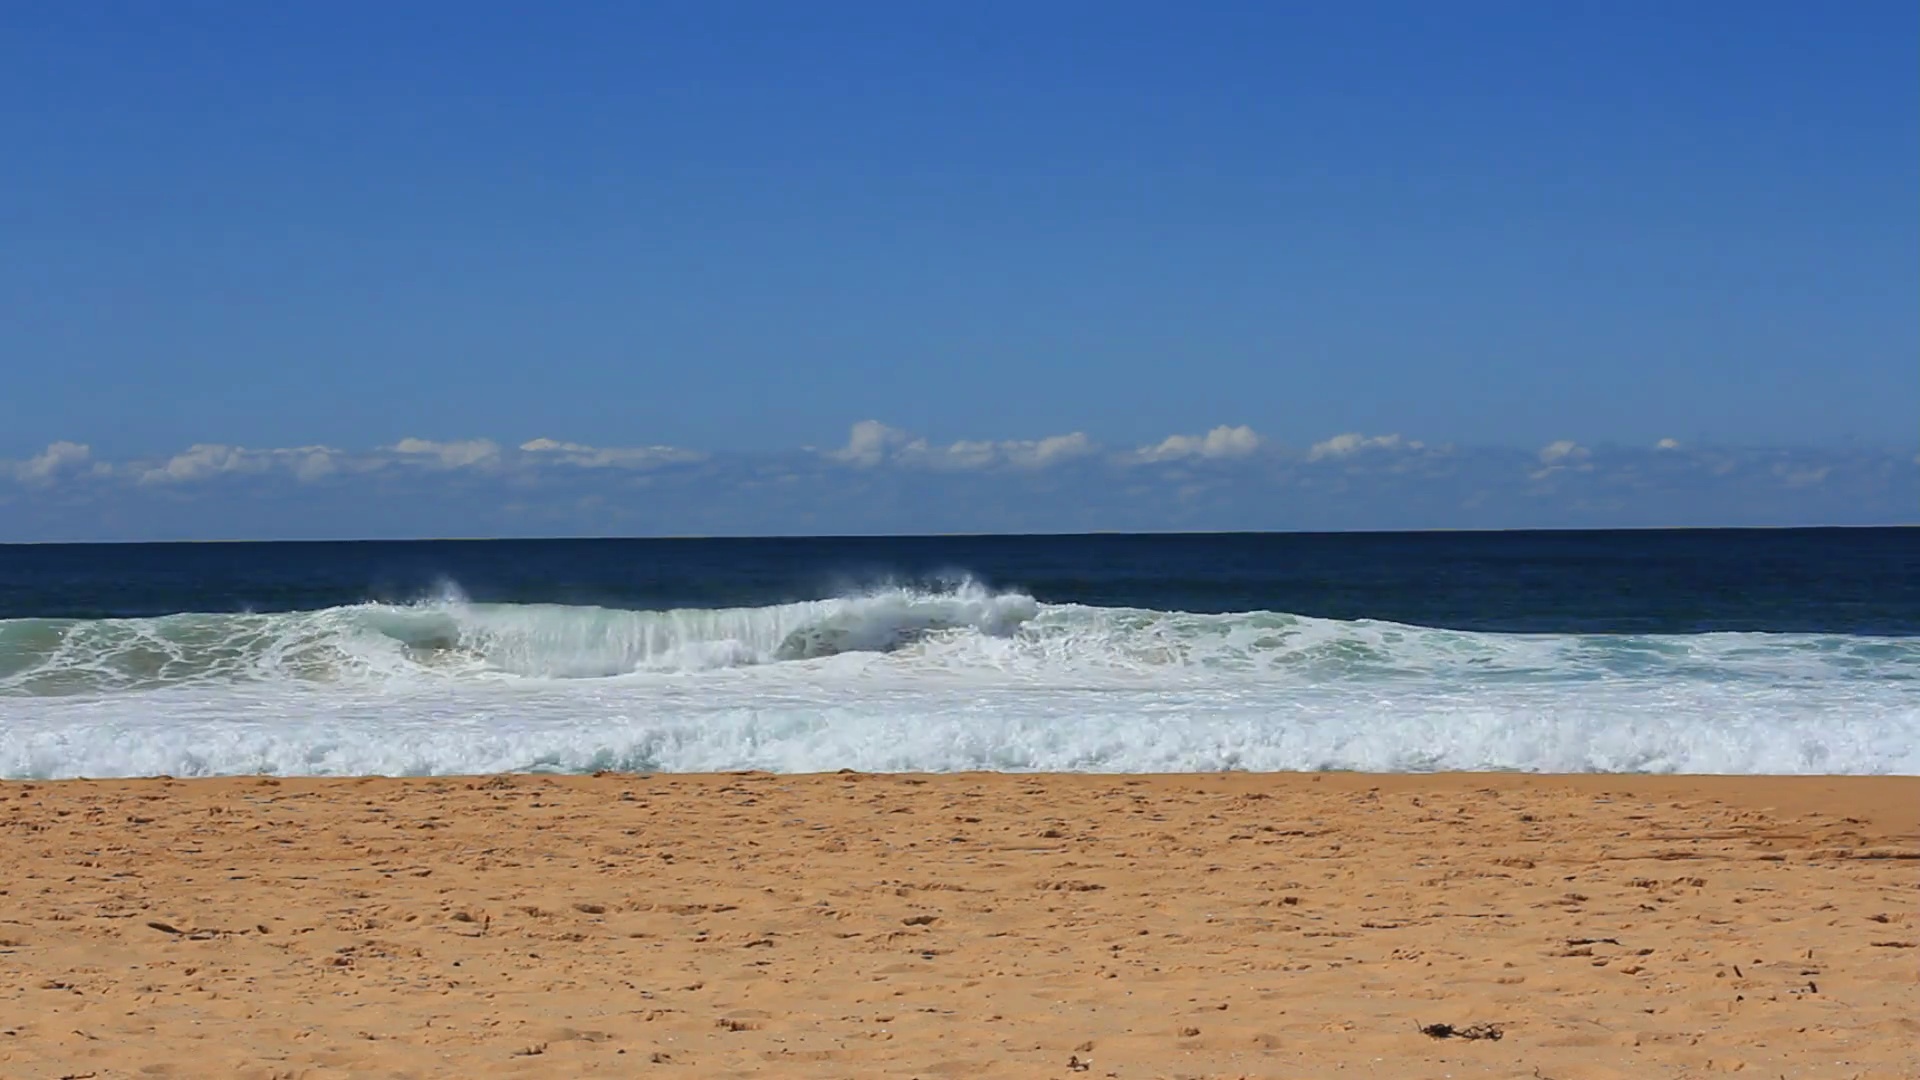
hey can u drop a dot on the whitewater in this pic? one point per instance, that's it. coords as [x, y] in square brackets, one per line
[904, 679]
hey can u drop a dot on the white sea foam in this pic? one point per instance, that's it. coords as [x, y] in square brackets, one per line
[900, 679]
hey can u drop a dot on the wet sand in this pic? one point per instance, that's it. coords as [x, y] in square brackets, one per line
[959, 926]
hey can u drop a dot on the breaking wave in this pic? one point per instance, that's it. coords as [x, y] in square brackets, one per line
[912, 679]
[451, 637]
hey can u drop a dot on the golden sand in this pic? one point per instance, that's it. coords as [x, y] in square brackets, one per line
[959, 926]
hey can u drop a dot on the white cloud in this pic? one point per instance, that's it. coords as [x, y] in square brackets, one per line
[545, 446]
[1093, 486]
[871, 443]
[448, 455]
[961, 455]
[1221, 442]
[200, 461]
[204, 460]
[1353, 443]
[602, 457]
[981, 454]
[1562, 452]
[313, 462]
[1051, 450]
[58, 457]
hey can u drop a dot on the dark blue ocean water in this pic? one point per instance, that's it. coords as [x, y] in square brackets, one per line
[1858, 581]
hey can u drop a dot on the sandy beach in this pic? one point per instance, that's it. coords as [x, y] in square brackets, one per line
[963, 925]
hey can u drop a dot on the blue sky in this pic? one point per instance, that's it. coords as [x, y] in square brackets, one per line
[731, 232]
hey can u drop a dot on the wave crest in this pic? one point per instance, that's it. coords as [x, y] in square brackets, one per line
[452, 637]
[964, 631]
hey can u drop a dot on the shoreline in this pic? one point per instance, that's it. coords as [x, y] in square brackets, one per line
[994, 924]
[1888, 802]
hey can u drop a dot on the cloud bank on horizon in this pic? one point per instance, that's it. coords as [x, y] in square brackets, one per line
[883, 479]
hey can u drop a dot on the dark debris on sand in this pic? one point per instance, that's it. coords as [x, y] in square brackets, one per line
[1489, 1032]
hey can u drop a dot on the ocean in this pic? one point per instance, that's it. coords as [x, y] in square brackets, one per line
[1792, 651]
